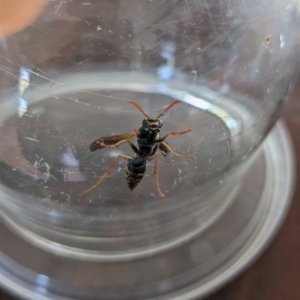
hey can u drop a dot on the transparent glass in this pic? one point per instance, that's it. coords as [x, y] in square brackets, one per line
[66, 80]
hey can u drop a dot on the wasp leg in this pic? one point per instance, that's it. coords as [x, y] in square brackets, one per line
[176, 154]
[174, 133]
[102, 144]
[156, 175]
[109, 170]
[133, 147]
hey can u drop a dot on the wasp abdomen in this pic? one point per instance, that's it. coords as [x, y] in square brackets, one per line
[134, 172]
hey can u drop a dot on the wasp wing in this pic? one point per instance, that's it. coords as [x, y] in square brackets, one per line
[163, 149]
[111, 140]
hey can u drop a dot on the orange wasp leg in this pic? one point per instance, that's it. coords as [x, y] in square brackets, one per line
[102, 144]
[109, 170]
[156, 175]
[174, 133]
[176, 154]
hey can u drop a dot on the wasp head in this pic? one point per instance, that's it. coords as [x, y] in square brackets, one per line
[152, 124]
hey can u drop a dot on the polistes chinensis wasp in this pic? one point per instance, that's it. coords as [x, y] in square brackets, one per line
[148, 140]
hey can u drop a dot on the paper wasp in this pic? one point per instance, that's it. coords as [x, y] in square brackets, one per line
[148, 140]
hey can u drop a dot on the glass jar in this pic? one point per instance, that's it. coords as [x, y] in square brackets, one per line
[67, 78]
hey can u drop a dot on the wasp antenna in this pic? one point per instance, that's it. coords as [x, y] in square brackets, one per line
[139, 108]
[168, 108]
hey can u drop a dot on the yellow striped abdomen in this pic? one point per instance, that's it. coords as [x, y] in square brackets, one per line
[135, 171]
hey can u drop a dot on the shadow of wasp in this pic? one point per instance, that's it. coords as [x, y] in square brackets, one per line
[148, 140]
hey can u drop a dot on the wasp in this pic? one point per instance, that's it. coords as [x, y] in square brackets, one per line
[148, 140]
